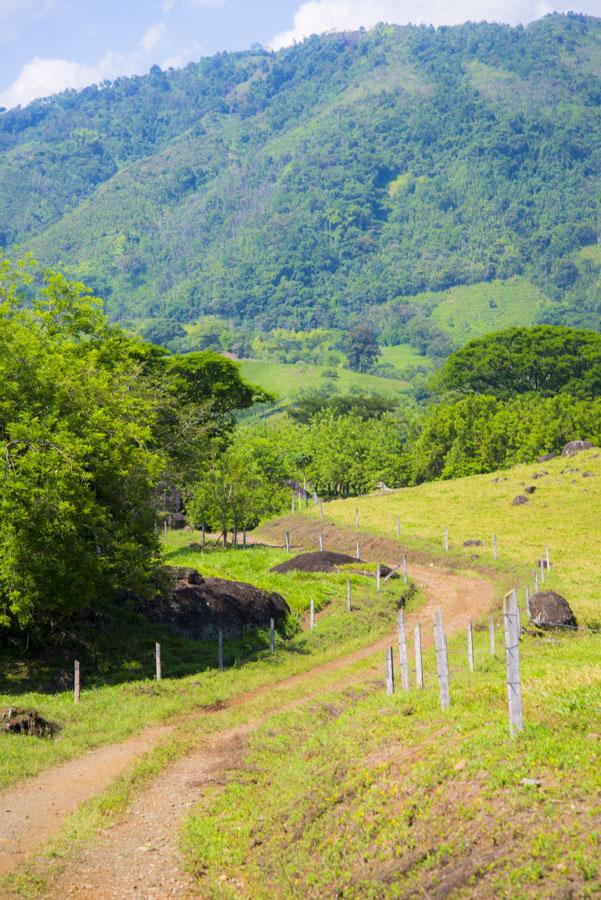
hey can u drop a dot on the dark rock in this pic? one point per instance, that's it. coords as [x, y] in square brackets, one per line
[530, 489]
[539, 475]
[586, 474]
[26, 721]
[472, 543]
[519, 500]
[542, 562]
[550, 610]
[177, 521]
[575, 447]
[318, 561]
[546, 457]
[199, 607]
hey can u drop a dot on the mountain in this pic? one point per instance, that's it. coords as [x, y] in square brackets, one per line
[370, 173]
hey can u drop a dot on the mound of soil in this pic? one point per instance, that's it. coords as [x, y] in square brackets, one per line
[199, 607]
[26, 721]
[519, 500]
[551, 610]
[472, 543]
[318, 561]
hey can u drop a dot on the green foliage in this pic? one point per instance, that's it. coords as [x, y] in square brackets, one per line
[545, 360]
[331, 178]
[482, 434]
[363, 406]
[362, 348]
[78, 469]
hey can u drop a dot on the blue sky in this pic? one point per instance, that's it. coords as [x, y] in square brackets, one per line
[48, 45]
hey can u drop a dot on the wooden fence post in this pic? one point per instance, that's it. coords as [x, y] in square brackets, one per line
[405, 570]
[495, 549]
[348, 594]
[220, 650]
[76, 682]
[157, 656]
[512, 658]
[419, 671]
[403, 650]
[378, 578]
[470, 646]
[389, 672]
[492, 634]
[287, 542]
[398, 526]
[442, 662]
[312, 615]
[446, 539]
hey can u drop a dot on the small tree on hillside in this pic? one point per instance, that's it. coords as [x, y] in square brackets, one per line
[362, 348]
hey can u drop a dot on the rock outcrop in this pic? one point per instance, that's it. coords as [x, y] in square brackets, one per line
[550, 610]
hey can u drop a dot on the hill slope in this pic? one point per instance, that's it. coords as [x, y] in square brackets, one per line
[306, 186]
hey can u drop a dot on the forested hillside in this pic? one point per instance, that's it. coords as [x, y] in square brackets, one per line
[367, 171]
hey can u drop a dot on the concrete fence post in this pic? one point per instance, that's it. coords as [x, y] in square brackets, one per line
[492, 634]
[442, 661]
[404, 664]
[312, 615]
[389, 672]
[470, 647]
[512, 659]
[446, 539]
[76, 682]
[419, 671]
[348, 594]
[157, 657]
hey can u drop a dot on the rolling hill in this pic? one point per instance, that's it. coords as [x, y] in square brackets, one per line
[343, 177]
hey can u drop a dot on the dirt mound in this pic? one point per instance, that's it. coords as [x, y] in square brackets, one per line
[318, 561]
[199, 607]
[519, 500]
[551, 610]
[26, 721]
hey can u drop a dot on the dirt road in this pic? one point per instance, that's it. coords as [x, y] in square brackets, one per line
[139, 856]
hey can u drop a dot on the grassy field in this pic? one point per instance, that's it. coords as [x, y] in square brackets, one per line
[403, 357]
[563, 513]
[121, 699]
[471, 311]
[364, 795]
[288, 381]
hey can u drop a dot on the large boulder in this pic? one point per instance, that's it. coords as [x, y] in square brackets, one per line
[575, 447]
[199, 607]
[550, 610]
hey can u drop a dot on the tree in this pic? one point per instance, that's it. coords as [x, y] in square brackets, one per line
[546, 359]
[362, 348]
[77, 468]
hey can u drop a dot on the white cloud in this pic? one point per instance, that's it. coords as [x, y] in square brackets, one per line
[318, 16]
[153, 37]
[43, 76]
[17, 15]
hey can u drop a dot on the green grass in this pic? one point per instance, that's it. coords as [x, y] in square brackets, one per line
[364, 795]
[288, 381]
[472, 311]
[403, 357]
[126, 700]
[564, 513]
[593, 253]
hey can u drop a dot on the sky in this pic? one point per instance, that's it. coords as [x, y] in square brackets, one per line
[49, 45]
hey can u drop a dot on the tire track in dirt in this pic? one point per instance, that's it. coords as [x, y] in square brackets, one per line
[41, 805]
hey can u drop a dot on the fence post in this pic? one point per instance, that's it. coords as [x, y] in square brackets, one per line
[358, 552]
[536, 582]
[528, 601]
[348, 594]
[244, 537]
[542, 571]
[403, 650]
[157, 656]
[492, 634]
[357, 519]
[378, 578]
[204, 537]
[220, 650]
[419, 672]
[512, 658]
[321, 540]
[300, 502]
[405, 570]
[442, 662]
[315, 500]
[312, 615]
[548, 558]
[76, 682]
[293, 504]
[165, 527]
[272, 635]
[495, 549]
[287, 542]
[470, 646]
[398, 526]
[321, 509]
[389, 672]
[446, 539]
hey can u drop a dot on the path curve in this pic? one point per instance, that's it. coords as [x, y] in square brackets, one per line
[40, 806]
